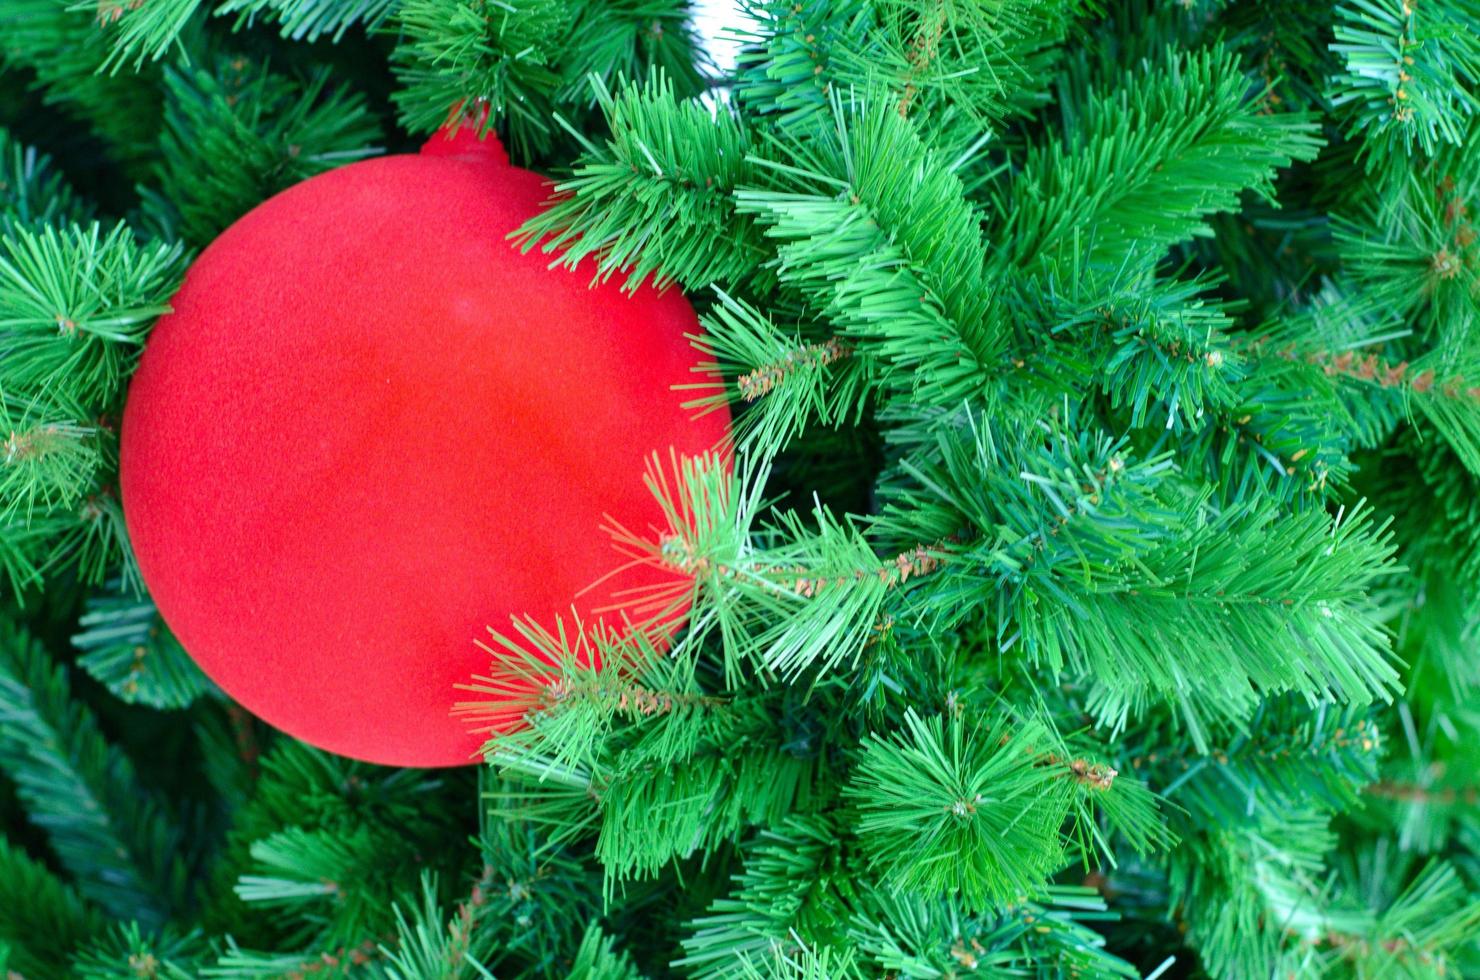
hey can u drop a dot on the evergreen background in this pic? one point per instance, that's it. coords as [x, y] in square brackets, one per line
[1096, 591]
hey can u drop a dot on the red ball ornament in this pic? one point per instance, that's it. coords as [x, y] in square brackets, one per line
[371, 428]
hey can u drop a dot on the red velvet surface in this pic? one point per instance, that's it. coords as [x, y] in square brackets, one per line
[371, 428]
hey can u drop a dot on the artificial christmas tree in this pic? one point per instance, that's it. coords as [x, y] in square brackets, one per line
[1091, 590]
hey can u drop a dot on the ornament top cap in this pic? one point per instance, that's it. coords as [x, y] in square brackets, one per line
[459, 138]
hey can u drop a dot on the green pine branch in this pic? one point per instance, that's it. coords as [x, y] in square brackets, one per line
[960, 68]
[874, 226]
[128, 648]
[599, 958]
[32, 191]
[631, 750]
[325, 845]
[1146, 160]
[781, 892]
[460, 57]
[333, 870]
[1412, 247]
[140, 32]
[793, 598]
[986, 63]
[1248, 895]
[1243, 879]
[310, 20]
[117, 841]
[629, 39]
[47, 462]
[127, 950]
[971, 796]
[75, 305]
[656, 200]
[1103, 566]
[1409, 73]
[1158, 348]
[1287, 758]
[787, 72]
[90, 539]
[235, 134]
[923, 938]
[783, 379]
[66, 46]
[41, 917]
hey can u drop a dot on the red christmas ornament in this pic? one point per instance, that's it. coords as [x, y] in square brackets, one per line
[372, 428]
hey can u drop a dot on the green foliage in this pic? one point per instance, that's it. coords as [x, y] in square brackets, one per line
[795, 883]
[669, 167]
[926, 939]
[309, 20]
[1285, 45]
[633, 750]
[511, 63]
[1083, 550]
[518, 903]
[41, 918]
[1146, 160]
[127, 647]
[238, 134]
[1407, 68]
[1415, 247]
[142, 31]
[325, 847]
[787, 379]
[976, 798]
[1346, 930]
[782, 892]
[47, 464]
[1427, 795]
[1262, 871]
[755, 584]
[1158, 348]
[32, 191]
[75, 305]
[128, 951]
[800, 962]
[630, 39]
[461, 55]
[958, 67]
[1287, 759]
[61, 44]
[1413, 250]
[91, 540]
[298, 866]
[1090, 589]
[598, 959]
[986, 62]
[874, 224]
[429, 948]
[113, 836]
